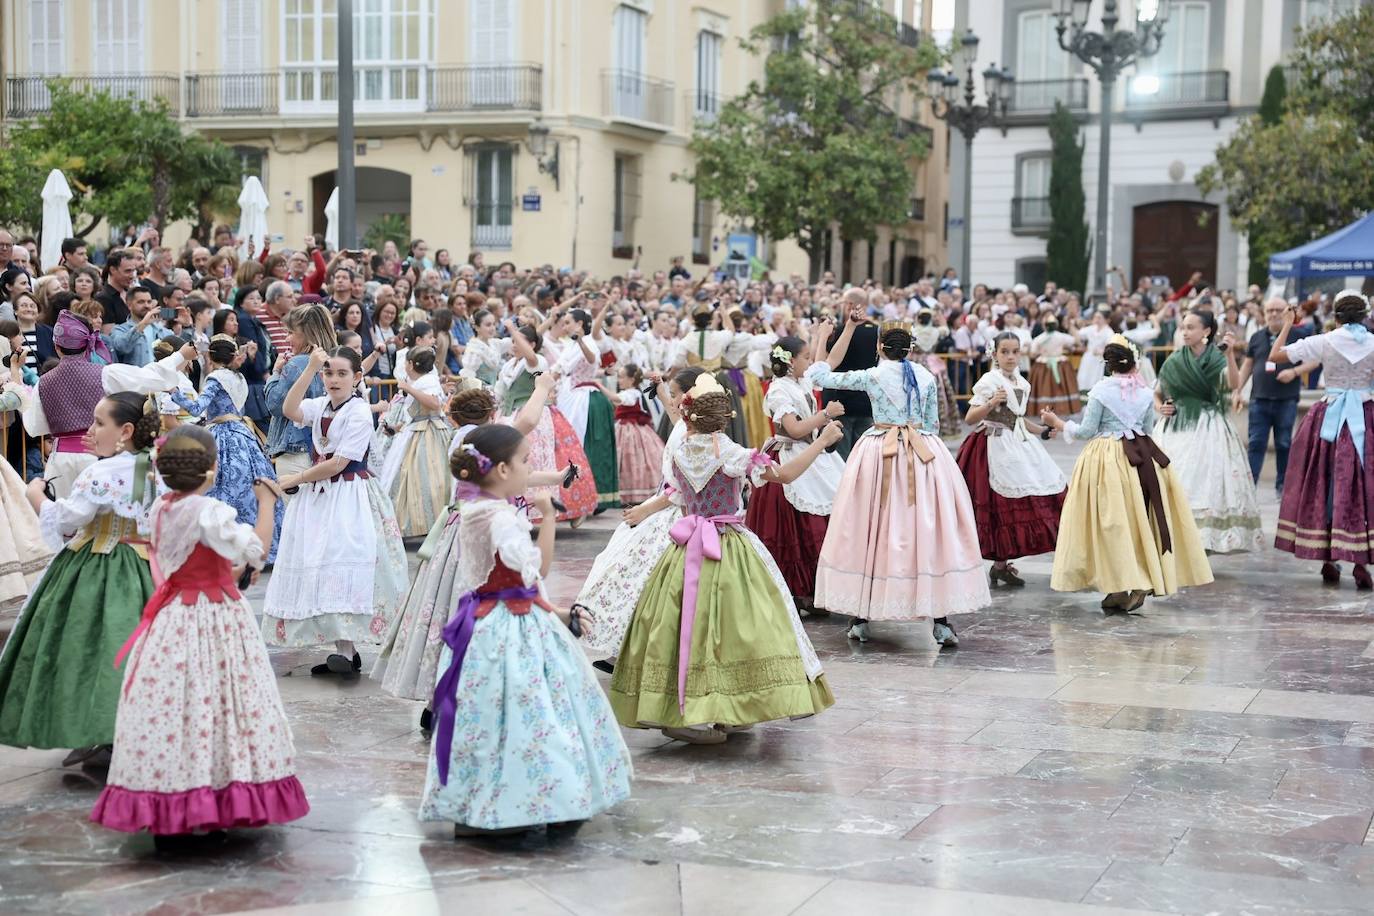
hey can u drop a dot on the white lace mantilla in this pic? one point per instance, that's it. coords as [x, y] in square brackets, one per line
[701, 455]
[492, 527]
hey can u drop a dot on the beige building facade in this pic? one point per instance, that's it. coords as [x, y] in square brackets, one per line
[446, 94]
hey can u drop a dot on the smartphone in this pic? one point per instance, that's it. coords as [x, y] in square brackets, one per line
[187, 337]
[169, 314]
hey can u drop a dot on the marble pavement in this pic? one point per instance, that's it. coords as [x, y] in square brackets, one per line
[1212, 755]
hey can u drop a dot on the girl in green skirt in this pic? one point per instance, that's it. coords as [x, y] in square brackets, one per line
[715, 644]
[58, 682]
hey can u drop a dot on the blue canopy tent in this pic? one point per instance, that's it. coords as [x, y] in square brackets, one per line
[1347, 252]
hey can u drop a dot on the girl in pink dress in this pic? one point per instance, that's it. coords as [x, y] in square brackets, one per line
[902, 543]
[201, 739]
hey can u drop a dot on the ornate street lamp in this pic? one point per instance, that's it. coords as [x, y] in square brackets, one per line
[968, 118]
[539, 148]
[1108, 52]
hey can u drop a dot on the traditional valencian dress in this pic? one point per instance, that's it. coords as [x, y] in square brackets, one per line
[706, 350]
[23, 554]
[1327, 509]
[241, 458]
[592, 419]
[924, 339]
[415, 473]
[523, 734]
[1017, 489]
[638, 449]
[341, 564]
[745, 385]
[482, 359]
[201, 739]
[409, 661]
[553, 441]
[1126, 524]
[1209, 460]
[1054, 384]
[620, 572]
[902, 542]
[715, 637]
[791, 519]
[58, 683]
[1092, 364]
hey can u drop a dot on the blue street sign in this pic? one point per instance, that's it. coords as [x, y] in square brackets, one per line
[531, 202]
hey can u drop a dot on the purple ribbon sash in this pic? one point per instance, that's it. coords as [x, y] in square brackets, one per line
[457, 634]
[699, 535]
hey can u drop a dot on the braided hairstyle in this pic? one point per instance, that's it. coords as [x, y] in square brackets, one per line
[186, 458]
[141, 412]
[895, 344]
[635, 373]
[1351, 309]
[793, 345]
[222, 350]
[708, 413]
[1119, 360]
[472, 407]
[497, 442]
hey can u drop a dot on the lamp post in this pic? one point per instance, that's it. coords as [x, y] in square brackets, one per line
[1108, 52]
[968, 118]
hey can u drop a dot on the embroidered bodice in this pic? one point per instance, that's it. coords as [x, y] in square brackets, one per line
[1347, 362]
[1116, 409]
[707, 470]
[482, 359]
[516, 383]
[1018, 392]
[108, 505]
[883, 385]
[575, 368]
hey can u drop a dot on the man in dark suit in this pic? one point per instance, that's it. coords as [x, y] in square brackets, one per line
[862, 354]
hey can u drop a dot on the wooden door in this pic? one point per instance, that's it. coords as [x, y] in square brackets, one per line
[1173, 238]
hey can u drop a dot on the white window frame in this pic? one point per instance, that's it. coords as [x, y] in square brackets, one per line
[1172, 56]
[629, 35]
[492, 81]
[119, 54]
[493, 212]
[1054, 63]
[240, 55]
[381, 82]
[1026, 167]
[1314, 11]
[707, 97]
[47, 51]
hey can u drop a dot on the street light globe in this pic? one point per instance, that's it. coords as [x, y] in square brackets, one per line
[1147, 11]
[539, 139]
[1145, 84]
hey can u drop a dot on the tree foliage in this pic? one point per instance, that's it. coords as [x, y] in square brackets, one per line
[393, 227]
[125, 160]
[1069, 247]
[1311, 170]
[1271, 102]
[819, 142]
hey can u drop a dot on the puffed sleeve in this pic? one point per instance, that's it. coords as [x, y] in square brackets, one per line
[59, 519]
[225, 535]
[627, 398]
[983, 390]
[350, 432]
[778, 404]
[311, 410]
[822, 376]
[738, 461]
[35, 421]
[510, 534]
[1302, 350]
[162, 375]
[197, 406]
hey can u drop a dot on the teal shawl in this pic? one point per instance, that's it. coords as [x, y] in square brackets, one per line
[1196, 383]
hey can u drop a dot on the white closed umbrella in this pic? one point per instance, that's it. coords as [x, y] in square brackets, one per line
[331, 221]
[57, 219]
[253, 216]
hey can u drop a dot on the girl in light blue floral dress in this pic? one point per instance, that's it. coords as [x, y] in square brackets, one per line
[241, 458]
[524, 738]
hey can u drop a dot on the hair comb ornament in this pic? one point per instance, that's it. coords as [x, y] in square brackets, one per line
[484, 464]
[893, 325]
[705, 384]
[1121, 340]
[781, 354]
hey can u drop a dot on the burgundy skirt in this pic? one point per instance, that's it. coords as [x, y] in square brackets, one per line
[794, 538]
[1007, 528]
[1327, 510]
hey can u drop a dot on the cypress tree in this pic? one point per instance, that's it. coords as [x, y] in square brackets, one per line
[1069, 245]
[1275, 91]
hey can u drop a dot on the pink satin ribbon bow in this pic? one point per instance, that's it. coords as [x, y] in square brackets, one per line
[697, 533]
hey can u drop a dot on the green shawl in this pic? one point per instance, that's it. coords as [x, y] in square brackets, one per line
[1196, 383]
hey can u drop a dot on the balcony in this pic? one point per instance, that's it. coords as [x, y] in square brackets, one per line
[908, 35]
[1032, 101]
[907, 128]
[1200, 93]
[516, 87]
[1030, 215]
[28, 96]
[638, 99]
[916, 209]
[219, 95]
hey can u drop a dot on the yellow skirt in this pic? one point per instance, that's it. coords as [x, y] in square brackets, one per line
[1107, 540]
[755, 418]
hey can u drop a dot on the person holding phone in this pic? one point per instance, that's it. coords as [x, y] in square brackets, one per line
[132, 341]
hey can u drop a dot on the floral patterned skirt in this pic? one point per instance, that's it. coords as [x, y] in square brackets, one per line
[618, 575]
[534, 740]
[347, 585]
[409, 662]
[201, 739]
[241, 461]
